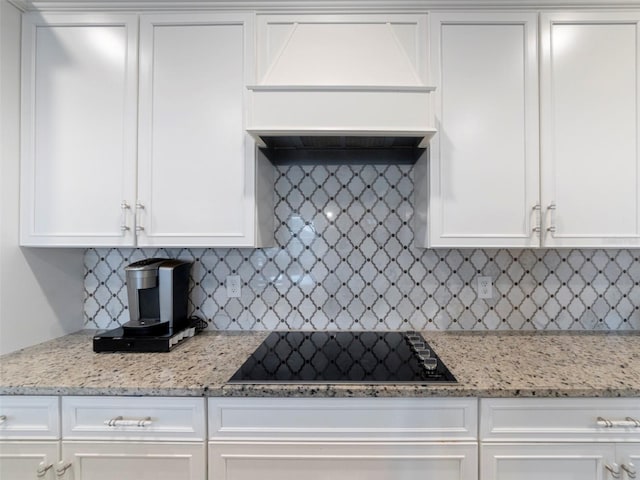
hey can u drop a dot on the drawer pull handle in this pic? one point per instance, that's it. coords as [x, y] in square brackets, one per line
[634, 420]
[614, 469]
[121, 422]
[3, 418]
[630, 469]
[43, 468]
[62, 468]
[626, 423]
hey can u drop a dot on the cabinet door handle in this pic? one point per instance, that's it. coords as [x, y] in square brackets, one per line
[139, 208]
[43, 468]
[552, 225]
[62, 468]
[124, 206]
[134, 422]
[613, 469]
[537, 209]
[3, 418]
[630, 469]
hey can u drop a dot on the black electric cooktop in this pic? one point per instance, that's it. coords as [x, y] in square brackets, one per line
[343, 357]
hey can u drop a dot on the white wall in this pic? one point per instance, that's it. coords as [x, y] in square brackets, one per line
[40, 289]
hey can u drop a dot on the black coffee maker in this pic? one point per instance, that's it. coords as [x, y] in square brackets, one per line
[158, 294]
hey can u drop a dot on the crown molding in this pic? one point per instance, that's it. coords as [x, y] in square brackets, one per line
[316, 5]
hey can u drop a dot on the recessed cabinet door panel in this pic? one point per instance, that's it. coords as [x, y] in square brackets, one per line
[79, 129]
[28, 460]
[293, 461]
[484, 164]
[195, 165]
[135, 461]
[628, 455]
[545, 461]
[589, 120]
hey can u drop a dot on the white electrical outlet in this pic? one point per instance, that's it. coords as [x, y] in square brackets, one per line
[234, 288]
[485, 287]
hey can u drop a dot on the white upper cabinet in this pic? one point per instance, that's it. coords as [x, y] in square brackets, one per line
[486, 183]
[196, 165]
[78, 129]
[482, 185]
[590, 129]
[174, 167]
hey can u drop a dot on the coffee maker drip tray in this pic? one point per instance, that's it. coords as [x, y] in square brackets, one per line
[118, 340]
[145, 326]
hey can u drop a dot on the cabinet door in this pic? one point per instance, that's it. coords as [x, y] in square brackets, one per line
[322, 461]
[484, 178]
[28, 460]
[134, 461]
[78, 129]
[196, 170]
[629, 458]
[545, 461]
[589, 129]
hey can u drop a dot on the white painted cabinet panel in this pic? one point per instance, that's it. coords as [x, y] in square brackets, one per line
[343, 438]
[546, 461]
[133, 418]
[590, 129]
[133, 461]
[175, 168]
[196, 165]
[346, 461]
[558, 438]
[29, 418]
[483, 181]
[28, 460]
[629, 457]
[78, 129]
[416, 419]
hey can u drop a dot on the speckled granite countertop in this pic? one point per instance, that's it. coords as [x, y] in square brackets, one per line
[485, 364]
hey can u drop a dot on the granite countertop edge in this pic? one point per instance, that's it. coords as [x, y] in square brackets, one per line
[486, 364]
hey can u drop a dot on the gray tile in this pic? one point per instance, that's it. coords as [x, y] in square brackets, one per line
[351, 225]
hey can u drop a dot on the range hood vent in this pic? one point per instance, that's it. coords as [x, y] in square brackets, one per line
[339, 150]
[342, 89]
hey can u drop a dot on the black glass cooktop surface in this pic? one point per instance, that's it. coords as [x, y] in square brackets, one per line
[343, 357]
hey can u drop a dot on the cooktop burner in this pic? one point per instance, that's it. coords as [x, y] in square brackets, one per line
[343, 357]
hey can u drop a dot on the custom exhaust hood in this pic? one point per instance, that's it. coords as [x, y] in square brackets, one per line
[348, 88]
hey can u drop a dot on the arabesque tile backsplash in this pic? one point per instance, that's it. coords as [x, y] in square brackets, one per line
[344, 260]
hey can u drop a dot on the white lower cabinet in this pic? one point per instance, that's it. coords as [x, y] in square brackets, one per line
[160, 438]
[133, 461]
[29, 437]
[548, 461]
[28, 460]
[629, 455]
[129, 438]
[341, 461]
[559, 439]
[343, 439]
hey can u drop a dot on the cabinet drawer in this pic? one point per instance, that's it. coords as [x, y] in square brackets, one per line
[333, 418]
[29, 417]
[133, 418]
[552, 419]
